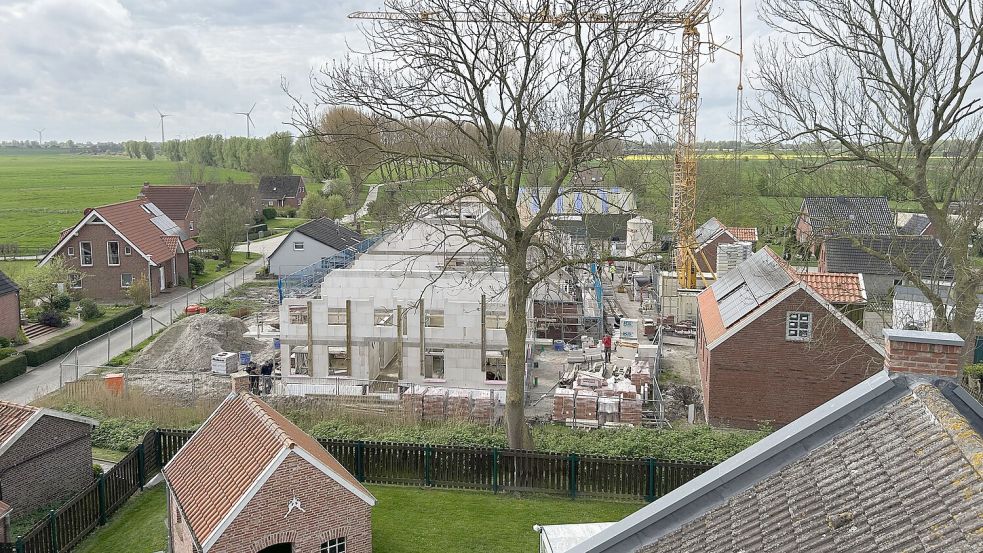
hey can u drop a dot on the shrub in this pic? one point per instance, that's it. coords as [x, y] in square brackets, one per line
[12, 367]
[120, 434]
[90, 310]
[21, 338]
[54, 318]
[291, 213]
[4, 342]
[96, 470]
[974, 371]
[269, 213]
[196, 265]
[42, 353]
[7, 352]
[61, 302]
[139, 291]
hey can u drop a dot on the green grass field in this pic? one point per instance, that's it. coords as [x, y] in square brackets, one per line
[450, 521]
[40, 194]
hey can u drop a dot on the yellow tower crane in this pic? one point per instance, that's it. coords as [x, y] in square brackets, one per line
[689, 18]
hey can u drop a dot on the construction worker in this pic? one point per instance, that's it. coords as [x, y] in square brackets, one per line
[606, 342]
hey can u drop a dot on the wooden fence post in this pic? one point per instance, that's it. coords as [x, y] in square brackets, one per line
[141, 466]
[360, 461]
[19, 544]
[53, 529]
[102, 499]
[495, 470]
[158, 440]
[573, 476]
[427, 460]
[650, 483]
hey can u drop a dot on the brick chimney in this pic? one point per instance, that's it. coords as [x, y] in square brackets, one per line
[936, 354]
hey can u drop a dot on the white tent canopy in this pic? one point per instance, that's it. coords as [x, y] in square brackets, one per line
[559, 538]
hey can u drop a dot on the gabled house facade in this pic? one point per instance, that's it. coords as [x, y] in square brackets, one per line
[182, 204]
[282, 191]
[712, 234]
[114, 245]
[870, 257]
[309, 243]
[9, 307]
[45, 456]
[825, 217]
[889, 465]
[770, 347]
[249, 480]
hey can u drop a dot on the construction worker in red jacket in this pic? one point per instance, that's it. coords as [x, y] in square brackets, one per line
[606, 342]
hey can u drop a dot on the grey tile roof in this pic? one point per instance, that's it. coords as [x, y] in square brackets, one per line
[7, 286]
[892, 465]
[749, 285]
[279, 187]
[915, 225]
[922, 253]
[708, 230]
[330, 233]
[857, 215]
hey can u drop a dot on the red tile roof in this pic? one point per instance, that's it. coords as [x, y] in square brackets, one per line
[744, 234]
[713, 325]
[228, 454]
[133, 222]
[174, 201]
[12, 418]
[836, 287]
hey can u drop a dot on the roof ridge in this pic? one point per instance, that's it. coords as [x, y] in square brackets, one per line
[966, 439]
[265, 418]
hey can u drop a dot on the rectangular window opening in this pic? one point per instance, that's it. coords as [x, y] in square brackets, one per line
[495, 319]
[434, 318]
[433, 363]
[112, 253]
[384, 316]
[798, 326]
[126, 280]
[336, 545]
[298, 314]
[337, 316]
[85, 250]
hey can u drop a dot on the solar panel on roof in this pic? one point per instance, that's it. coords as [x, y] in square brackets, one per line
[727, 283]
[764, 276]
[736, 305]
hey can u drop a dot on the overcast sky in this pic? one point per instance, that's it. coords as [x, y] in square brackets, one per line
[94, 69]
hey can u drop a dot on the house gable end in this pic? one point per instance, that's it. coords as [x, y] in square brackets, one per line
[91, 217]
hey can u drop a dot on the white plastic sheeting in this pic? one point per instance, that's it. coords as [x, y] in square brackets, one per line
[559, 538]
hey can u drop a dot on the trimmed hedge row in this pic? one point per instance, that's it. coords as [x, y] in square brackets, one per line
[42, 353]
[12, 367]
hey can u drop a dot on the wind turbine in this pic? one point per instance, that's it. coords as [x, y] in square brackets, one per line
[40, 133]
[249, 119]
[162, 116]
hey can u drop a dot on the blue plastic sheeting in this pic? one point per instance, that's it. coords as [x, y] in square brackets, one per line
[578, 203]
[604, 201]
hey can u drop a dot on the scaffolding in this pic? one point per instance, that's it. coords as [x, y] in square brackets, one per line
[307, 281]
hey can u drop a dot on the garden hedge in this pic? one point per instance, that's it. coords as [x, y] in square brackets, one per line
[42, 353]
[13, 367]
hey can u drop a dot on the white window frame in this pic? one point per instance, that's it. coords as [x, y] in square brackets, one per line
[301, 248]
[70, 251]
[75, 281]
[122, 280]
[335, 545]
[799, 326]
[493, 361]
[109, 253]
[495, 319]
[297, 314]
[191, 225]
[82, 253]
[337, 316]
[127, 250]
[433, 318]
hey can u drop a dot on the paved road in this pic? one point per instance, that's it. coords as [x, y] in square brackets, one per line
[364, 210]
[263, 247]
[46, 378]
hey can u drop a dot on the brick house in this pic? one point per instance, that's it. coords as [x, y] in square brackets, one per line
[282, 191]
[45, 456]
[9, 307]
[116, 244]
[250, 481]
[712, 234]
[770, 347]
[183, 204]
[821, 218]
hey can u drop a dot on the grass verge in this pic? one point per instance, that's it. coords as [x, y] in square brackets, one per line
[213, 272]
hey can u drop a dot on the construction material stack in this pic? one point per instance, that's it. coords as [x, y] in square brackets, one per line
[435, 404]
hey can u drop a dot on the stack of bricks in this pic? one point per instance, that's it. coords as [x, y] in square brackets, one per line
[435, 404]
[413, 403]
[640, 376]
[563, 404]
[483, 408]
[586, 405]
[631, 411]
[459, 404]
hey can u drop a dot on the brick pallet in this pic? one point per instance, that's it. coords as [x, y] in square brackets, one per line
[458, 404]
[435, 405]
[631, 411]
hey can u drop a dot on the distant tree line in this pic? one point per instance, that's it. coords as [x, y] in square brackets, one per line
[261, 156]
[137, 150]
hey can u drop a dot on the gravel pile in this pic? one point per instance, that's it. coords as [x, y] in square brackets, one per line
[188, 345]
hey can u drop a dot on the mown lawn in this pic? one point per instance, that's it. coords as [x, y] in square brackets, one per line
[40, 194]
[213, 272]
[405, 520]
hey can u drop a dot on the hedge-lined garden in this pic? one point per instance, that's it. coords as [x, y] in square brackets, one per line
[12, 367]
[64, 343]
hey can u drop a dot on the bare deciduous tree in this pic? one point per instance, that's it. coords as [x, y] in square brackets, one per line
[894, 86]
[351, 140]
[486, 93]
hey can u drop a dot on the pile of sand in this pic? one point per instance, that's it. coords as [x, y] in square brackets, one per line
[188, 345]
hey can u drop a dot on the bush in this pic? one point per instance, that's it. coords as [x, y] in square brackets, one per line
[120, 434]
[53, 318]
[42, 353]
[21, 338]
[139, 291]
[96, 470]
[196, 265]
[90, 310]
[12, 367]
[7, 352]
[291, 213]
[974, 371]
[269, 213]
[61, 302]
[4, 342]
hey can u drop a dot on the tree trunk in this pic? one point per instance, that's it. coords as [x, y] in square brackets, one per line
[515, 331]
[963, 320]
